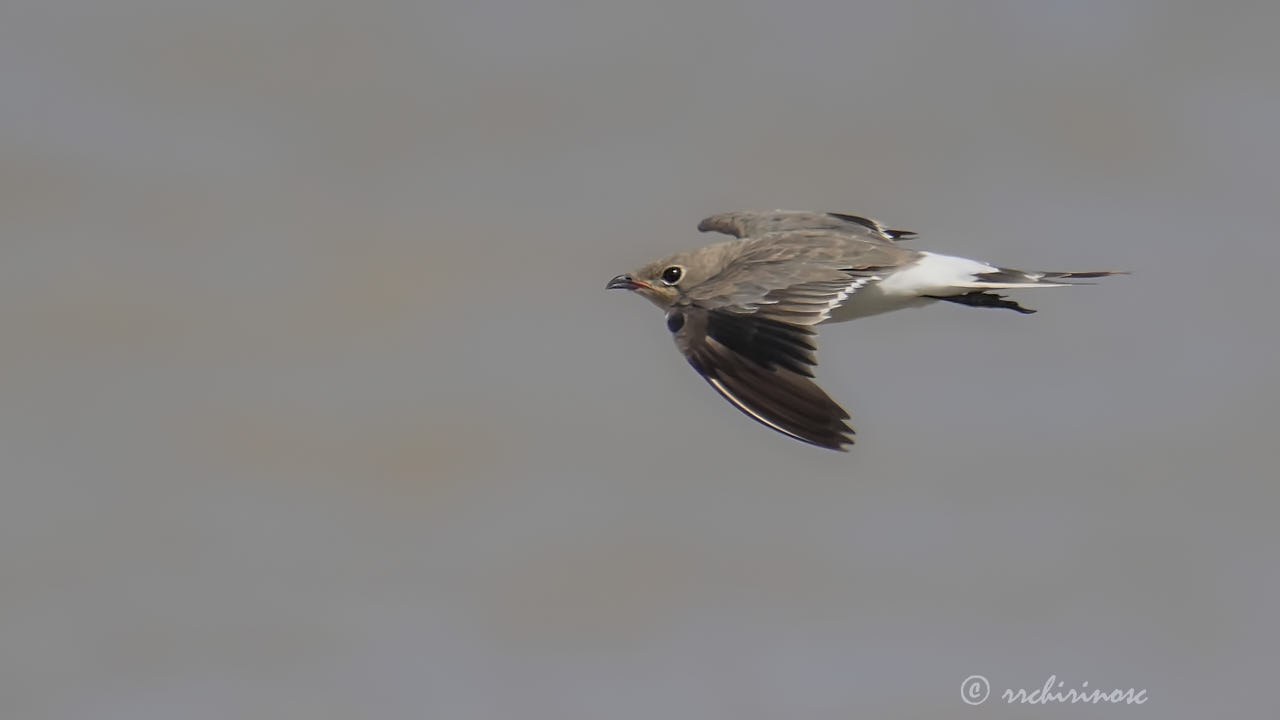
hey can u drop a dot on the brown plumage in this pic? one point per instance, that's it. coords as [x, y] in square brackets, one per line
[742, 311]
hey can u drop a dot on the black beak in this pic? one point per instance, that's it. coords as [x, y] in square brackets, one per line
[622, 282]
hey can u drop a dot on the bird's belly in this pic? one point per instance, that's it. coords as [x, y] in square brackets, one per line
[871, 300]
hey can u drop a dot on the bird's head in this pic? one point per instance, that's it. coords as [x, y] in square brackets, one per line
[662, 282]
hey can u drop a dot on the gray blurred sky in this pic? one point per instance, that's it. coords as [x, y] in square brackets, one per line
[312, 403]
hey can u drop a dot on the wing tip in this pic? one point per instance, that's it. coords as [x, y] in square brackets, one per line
[840, 444]
[830, 432]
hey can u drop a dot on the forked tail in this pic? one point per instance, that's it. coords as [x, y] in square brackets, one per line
[975, 290]
[1008, 278]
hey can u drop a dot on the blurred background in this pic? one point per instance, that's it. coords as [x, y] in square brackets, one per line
[313, 403]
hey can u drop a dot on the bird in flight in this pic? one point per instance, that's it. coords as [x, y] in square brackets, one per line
[743, 311]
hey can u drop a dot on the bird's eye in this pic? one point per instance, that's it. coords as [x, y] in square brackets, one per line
[672, 275]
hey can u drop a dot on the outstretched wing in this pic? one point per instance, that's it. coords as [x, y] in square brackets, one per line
[763, 367]
[748, 223]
